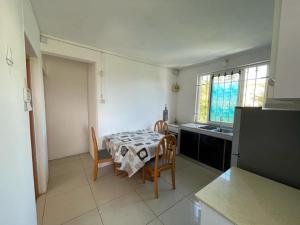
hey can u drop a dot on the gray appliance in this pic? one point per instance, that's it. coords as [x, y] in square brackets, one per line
[267, 142]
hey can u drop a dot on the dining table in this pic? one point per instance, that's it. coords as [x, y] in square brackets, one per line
[132, 149]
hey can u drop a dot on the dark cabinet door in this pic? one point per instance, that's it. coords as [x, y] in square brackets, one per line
[189, 142]
[211, 151]
[227, 160]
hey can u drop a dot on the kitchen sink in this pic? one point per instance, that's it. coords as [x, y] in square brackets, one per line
[224, 130]
[208, 127]
[217, 129]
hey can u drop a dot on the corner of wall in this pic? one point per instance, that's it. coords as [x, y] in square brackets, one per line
[32, 32]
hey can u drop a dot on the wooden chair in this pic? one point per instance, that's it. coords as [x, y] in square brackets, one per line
[101, 156]
[161, 127]
[164, 160]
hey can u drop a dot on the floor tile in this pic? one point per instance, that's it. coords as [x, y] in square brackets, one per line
[166, 175]
[86, 159]
[74, 158]
[40, 205]
[129, 209]
[167, 196]
[65, 168]
[190, 185]
[110, 188]
[86, 155]
[103, 172]
[136, 181]
[61, 208]
[66, 182]
[72, 193]
[155, 222]
[88, 166]
[190, 179]
[182, 163]
[185, 212]
[89, 218]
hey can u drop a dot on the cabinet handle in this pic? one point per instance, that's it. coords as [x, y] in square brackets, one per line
[237, 154]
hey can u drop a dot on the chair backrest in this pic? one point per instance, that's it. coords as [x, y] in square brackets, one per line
[95, 144]
[166, 149]
[161, 127]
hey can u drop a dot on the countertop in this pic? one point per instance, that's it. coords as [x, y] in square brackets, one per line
[194, 127]
[173, 127]
[245, 198]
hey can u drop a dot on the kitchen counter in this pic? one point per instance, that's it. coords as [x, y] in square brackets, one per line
[194, 127]
[245, 198]
[173, 127]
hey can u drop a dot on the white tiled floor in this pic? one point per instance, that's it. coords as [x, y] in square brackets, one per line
[74, 199]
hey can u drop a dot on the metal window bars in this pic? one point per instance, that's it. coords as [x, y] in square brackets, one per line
[255, 73]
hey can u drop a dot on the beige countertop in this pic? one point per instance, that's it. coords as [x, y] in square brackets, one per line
[197, 128]
[245, 198]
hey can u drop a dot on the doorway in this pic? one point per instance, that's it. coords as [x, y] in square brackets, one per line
[32, 132]
[67, 112]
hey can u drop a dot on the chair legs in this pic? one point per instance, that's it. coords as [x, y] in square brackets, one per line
[154, 175]
[115, 168]
[143, 174]
[155, 183]
[95, 171]
[173, 177]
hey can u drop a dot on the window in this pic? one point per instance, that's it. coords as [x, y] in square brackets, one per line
[224, 96]
[218, 95]
[254, 85]
[203, 98]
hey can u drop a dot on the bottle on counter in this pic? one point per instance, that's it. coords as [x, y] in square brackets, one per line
[165, 113]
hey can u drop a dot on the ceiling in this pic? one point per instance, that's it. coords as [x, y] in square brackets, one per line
[172, 33]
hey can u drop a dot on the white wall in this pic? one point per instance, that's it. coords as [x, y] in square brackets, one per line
[17, 203]
[32, 32]
[188, 78]
[66, 107]
[135, 92]
[135, 95]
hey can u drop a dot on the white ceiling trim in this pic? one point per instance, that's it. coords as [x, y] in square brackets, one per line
[47, 36]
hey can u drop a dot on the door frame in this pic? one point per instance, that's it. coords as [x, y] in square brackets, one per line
[32, 132]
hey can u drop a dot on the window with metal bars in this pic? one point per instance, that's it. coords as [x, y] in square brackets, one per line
[254, 86]
[202, 99]
[224, 97]
[219, 94]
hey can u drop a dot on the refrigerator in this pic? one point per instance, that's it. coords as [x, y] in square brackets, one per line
[267, 142]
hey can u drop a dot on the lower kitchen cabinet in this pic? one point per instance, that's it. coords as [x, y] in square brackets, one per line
[189, 143]
[227, 157]
[212, 151]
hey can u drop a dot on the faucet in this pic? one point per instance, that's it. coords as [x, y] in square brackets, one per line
[220, 124]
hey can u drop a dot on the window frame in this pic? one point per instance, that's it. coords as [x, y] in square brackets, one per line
[224, 124]
[242, 71]
[196, 114]
[243, 75]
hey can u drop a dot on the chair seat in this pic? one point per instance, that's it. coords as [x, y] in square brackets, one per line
[151, 163]
[104, 154]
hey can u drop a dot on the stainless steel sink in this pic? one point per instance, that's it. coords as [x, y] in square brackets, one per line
[208, 127]
[224, 130]
[217, 129]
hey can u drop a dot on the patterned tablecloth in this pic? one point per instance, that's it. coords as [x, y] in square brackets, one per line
[132, 149]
